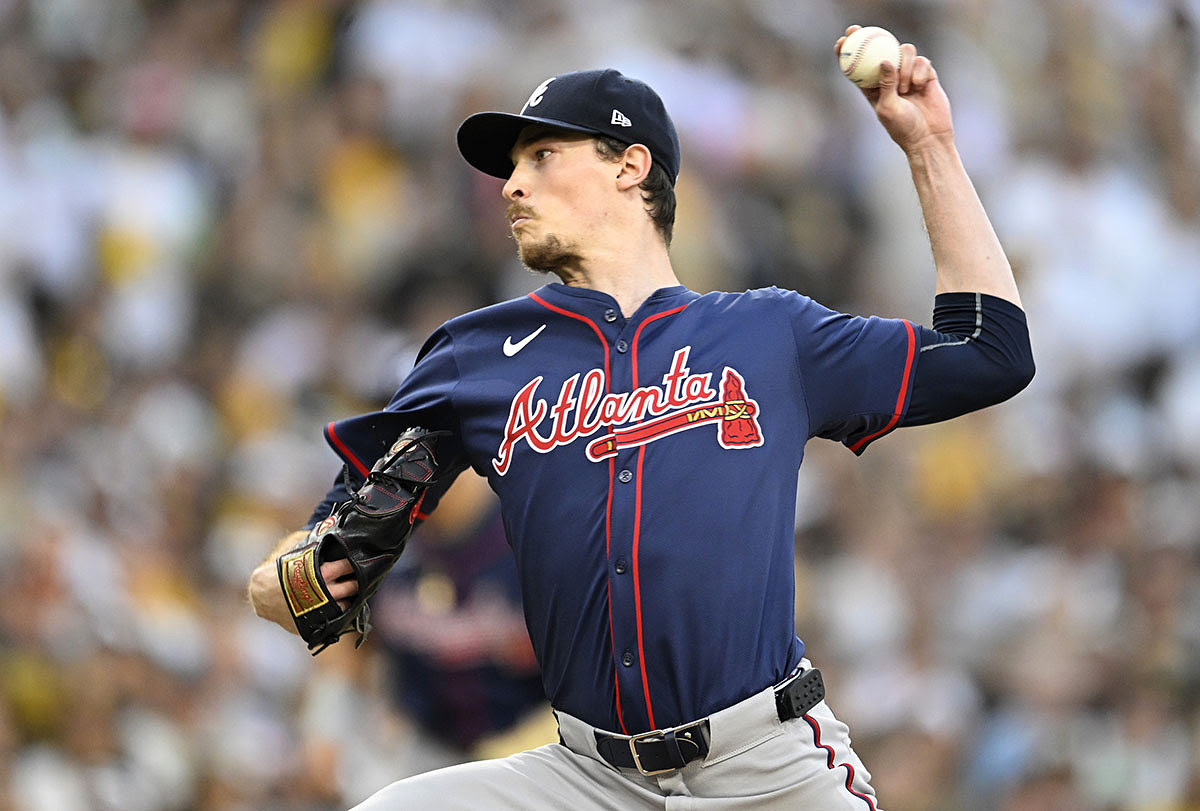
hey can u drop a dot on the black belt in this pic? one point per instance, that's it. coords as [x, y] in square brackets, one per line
[664, 750]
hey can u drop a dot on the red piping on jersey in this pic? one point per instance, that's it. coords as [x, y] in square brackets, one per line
[637, 586]
[345, 451]
[829, 764]
[637, 524]
[608, 509]
[638, 333]
[584, 319]
[611, 640]
[908, 362]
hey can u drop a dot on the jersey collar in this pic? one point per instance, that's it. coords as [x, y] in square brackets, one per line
[585, 301]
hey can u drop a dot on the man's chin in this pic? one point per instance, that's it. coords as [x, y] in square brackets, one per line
[544, 257]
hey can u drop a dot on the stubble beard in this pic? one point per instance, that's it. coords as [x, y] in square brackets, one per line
[548, 255]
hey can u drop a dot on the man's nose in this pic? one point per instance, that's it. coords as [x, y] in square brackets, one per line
[514, 187]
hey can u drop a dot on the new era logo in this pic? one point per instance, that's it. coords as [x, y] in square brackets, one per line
[620, 119]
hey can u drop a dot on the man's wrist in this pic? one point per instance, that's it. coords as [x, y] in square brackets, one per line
[931, 149]
[266, 596]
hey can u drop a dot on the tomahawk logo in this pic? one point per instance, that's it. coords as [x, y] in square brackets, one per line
[535, 98]
[648, 413]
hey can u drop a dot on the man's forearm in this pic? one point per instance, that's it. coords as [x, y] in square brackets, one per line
[265, 593]
[966, 250]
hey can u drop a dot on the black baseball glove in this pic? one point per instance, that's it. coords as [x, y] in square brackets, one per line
[370, 530]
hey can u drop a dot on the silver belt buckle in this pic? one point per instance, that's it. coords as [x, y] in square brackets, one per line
[637, 761]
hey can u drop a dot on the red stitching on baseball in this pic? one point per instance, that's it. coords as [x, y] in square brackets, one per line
[862, 46]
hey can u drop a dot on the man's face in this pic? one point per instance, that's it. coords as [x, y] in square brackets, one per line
[559, 193]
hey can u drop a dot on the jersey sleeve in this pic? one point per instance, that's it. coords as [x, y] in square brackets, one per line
[978, 354]
[425, 399]
[336, 495]
[856, 371]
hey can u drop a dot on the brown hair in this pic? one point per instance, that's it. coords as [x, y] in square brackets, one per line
[657, 190]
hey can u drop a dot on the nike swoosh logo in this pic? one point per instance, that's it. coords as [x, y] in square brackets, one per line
[511, 349]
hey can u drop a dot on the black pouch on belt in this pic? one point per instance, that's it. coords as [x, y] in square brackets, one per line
[800, 695]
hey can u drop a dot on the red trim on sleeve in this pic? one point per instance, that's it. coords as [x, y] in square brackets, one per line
[904, 383]
[345, 451]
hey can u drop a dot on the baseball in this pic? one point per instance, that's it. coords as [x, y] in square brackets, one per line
[864, 51]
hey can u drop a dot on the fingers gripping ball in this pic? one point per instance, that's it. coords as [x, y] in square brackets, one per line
[863, 53]
[370, 531]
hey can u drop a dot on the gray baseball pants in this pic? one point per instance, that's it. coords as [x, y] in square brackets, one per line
[754, 761]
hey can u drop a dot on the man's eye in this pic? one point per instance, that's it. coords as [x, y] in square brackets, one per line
[541, 153]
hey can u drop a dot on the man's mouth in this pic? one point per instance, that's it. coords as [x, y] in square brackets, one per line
[518, 216]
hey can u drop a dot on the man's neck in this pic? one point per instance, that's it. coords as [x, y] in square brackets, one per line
[628, 278]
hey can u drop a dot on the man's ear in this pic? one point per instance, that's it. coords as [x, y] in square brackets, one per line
[634, 166]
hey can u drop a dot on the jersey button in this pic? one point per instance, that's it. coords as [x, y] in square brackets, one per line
[625, 476]
[620, 566]
[627, 659]
[610, 315]
[622, 346]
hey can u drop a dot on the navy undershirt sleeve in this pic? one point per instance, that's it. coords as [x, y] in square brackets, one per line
[336, 495]
[977, 354]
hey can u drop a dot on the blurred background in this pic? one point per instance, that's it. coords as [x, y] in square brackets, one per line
[224, 223]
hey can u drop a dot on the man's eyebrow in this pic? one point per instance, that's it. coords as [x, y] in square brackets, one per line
[535, 135]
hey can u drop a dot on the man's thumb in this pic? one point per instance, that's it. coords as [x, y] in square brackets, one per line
[888, 77]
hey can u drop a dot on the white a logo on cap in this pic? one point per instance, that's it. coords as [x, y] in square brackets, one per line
[535, 98]
[620, 118]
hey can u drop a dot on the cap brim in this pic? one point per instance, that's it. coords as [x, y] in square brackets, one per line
[486, 140]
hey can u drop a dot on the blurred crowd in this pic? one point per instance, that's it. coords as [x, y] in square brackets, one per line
[224, 223]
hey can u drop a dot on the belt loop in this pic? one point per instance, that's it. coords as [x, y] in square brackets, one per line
[677, 759]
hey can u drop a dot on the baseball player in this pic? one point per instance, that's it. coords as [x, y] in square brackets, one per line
[644, 440]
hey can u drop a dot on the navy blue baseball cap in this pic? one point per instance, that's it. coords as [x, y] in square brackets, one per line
[597, 102]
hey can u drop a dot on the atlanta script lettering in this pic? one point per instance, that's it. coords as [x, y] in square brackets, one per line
[583, 407]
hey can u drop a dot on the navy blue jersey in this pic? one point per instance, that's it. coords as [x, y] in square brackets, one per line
[646, 469]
